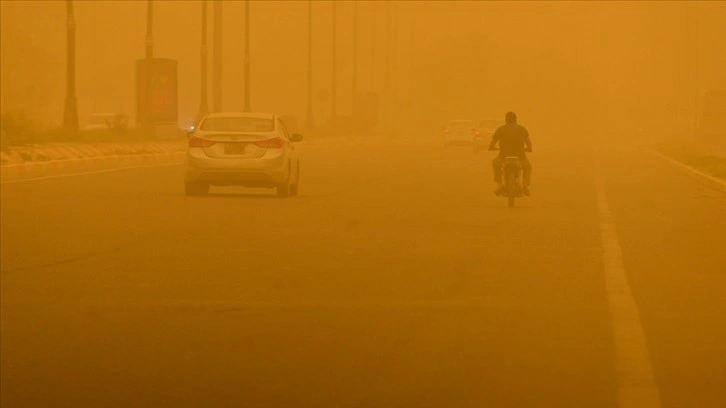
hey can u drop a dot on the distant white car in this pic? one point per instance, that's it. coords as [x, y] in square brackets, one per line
[107, 121]
[242, 149]
[459, 132]
[483, 133]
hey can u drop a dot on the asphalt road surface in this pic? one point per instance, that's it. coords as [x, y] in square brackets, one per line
[396, 279]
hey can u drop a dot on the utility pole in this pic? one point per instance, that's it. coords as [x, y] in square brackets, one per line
[411, 63]
[355, 67]
[203, 106]
[373, 47]
[334, 85]
[394, 108]
[247, 56]
[696, 90]
[217, 58]
[386, 72]
[148, 88]
[70, 111]
[309, 120]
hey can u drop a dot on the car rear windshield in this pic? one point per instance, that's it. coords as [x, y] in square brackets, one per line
[238, 124]
[461, 124]
[489, 123]
[100, 119]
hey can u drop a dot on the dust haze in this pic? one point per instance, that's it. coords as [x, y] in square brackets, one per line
[381, 265]
[551, 62]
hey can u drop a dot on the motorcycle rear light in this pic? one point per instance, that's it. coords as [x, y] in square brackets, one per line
[274, 143]
[197, 142]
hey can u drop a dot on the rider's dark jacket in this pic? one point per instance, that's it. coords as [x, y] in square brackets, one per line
[513, 140]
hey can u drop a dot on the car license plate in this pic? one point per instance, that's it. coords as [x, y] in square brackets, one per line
[234, 148]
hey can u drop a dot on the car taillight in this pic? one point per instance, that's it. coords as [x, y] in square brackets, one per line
[197, 142]
[274, 143]
[446, 130]
[476, 133]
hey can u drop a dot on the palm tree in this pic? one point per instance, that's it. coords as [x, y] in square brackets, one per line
[70, 112]
[148, 121]
[334, 82]
[309, 120]
[217, 70]
[203, 107]
[247, 56]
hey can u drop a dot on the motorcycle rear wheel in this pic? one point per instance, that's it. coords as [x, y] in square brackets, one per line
[511, 190]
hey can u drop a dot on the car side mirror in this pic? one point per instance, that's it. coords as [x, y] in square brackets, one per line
[296, 137]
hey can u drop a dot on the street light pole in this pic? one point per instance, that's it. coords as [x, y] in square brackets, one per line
[334, 85]
[386, 71]
[148, 87]
[309, 121]
[696, 101]
[217, 73]
[70, 111]
[410, 59]
[377, 124]
[355, 65]
[247, 56]
[394, 107]
[203, 106]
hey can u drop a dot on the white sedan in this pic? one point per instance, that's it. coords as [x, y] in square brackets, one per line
[242, 149]
[459, 132]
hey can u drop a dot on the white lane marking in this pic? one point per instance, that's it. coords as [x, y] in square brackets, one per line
[689, 168]
[501, 302]
[636, 383]
[89, 172]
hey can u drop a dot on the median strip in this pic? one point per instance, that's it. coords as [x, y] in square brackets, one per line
[705, 166]
[54, 176]
[16, 173]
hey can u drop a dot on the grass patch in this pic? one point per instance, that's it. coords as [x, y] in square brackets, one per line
[691, 155]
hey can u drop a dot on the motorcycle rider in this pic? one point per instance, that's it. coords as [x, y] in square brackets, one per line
[513, 140]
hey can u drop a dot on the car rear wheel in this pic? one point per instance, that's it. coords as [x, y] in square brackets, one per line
[283, 190]
[294, 187]
[196, 188]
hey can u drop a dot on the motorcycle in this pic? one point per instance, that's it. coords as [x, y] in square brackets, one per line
[512, 174]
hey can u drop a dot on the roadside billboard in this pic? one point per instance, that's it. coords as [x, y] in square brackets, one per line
[164, 102]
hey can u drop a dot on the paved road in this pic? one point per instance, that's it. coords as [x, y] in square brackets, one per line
[395, 279]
